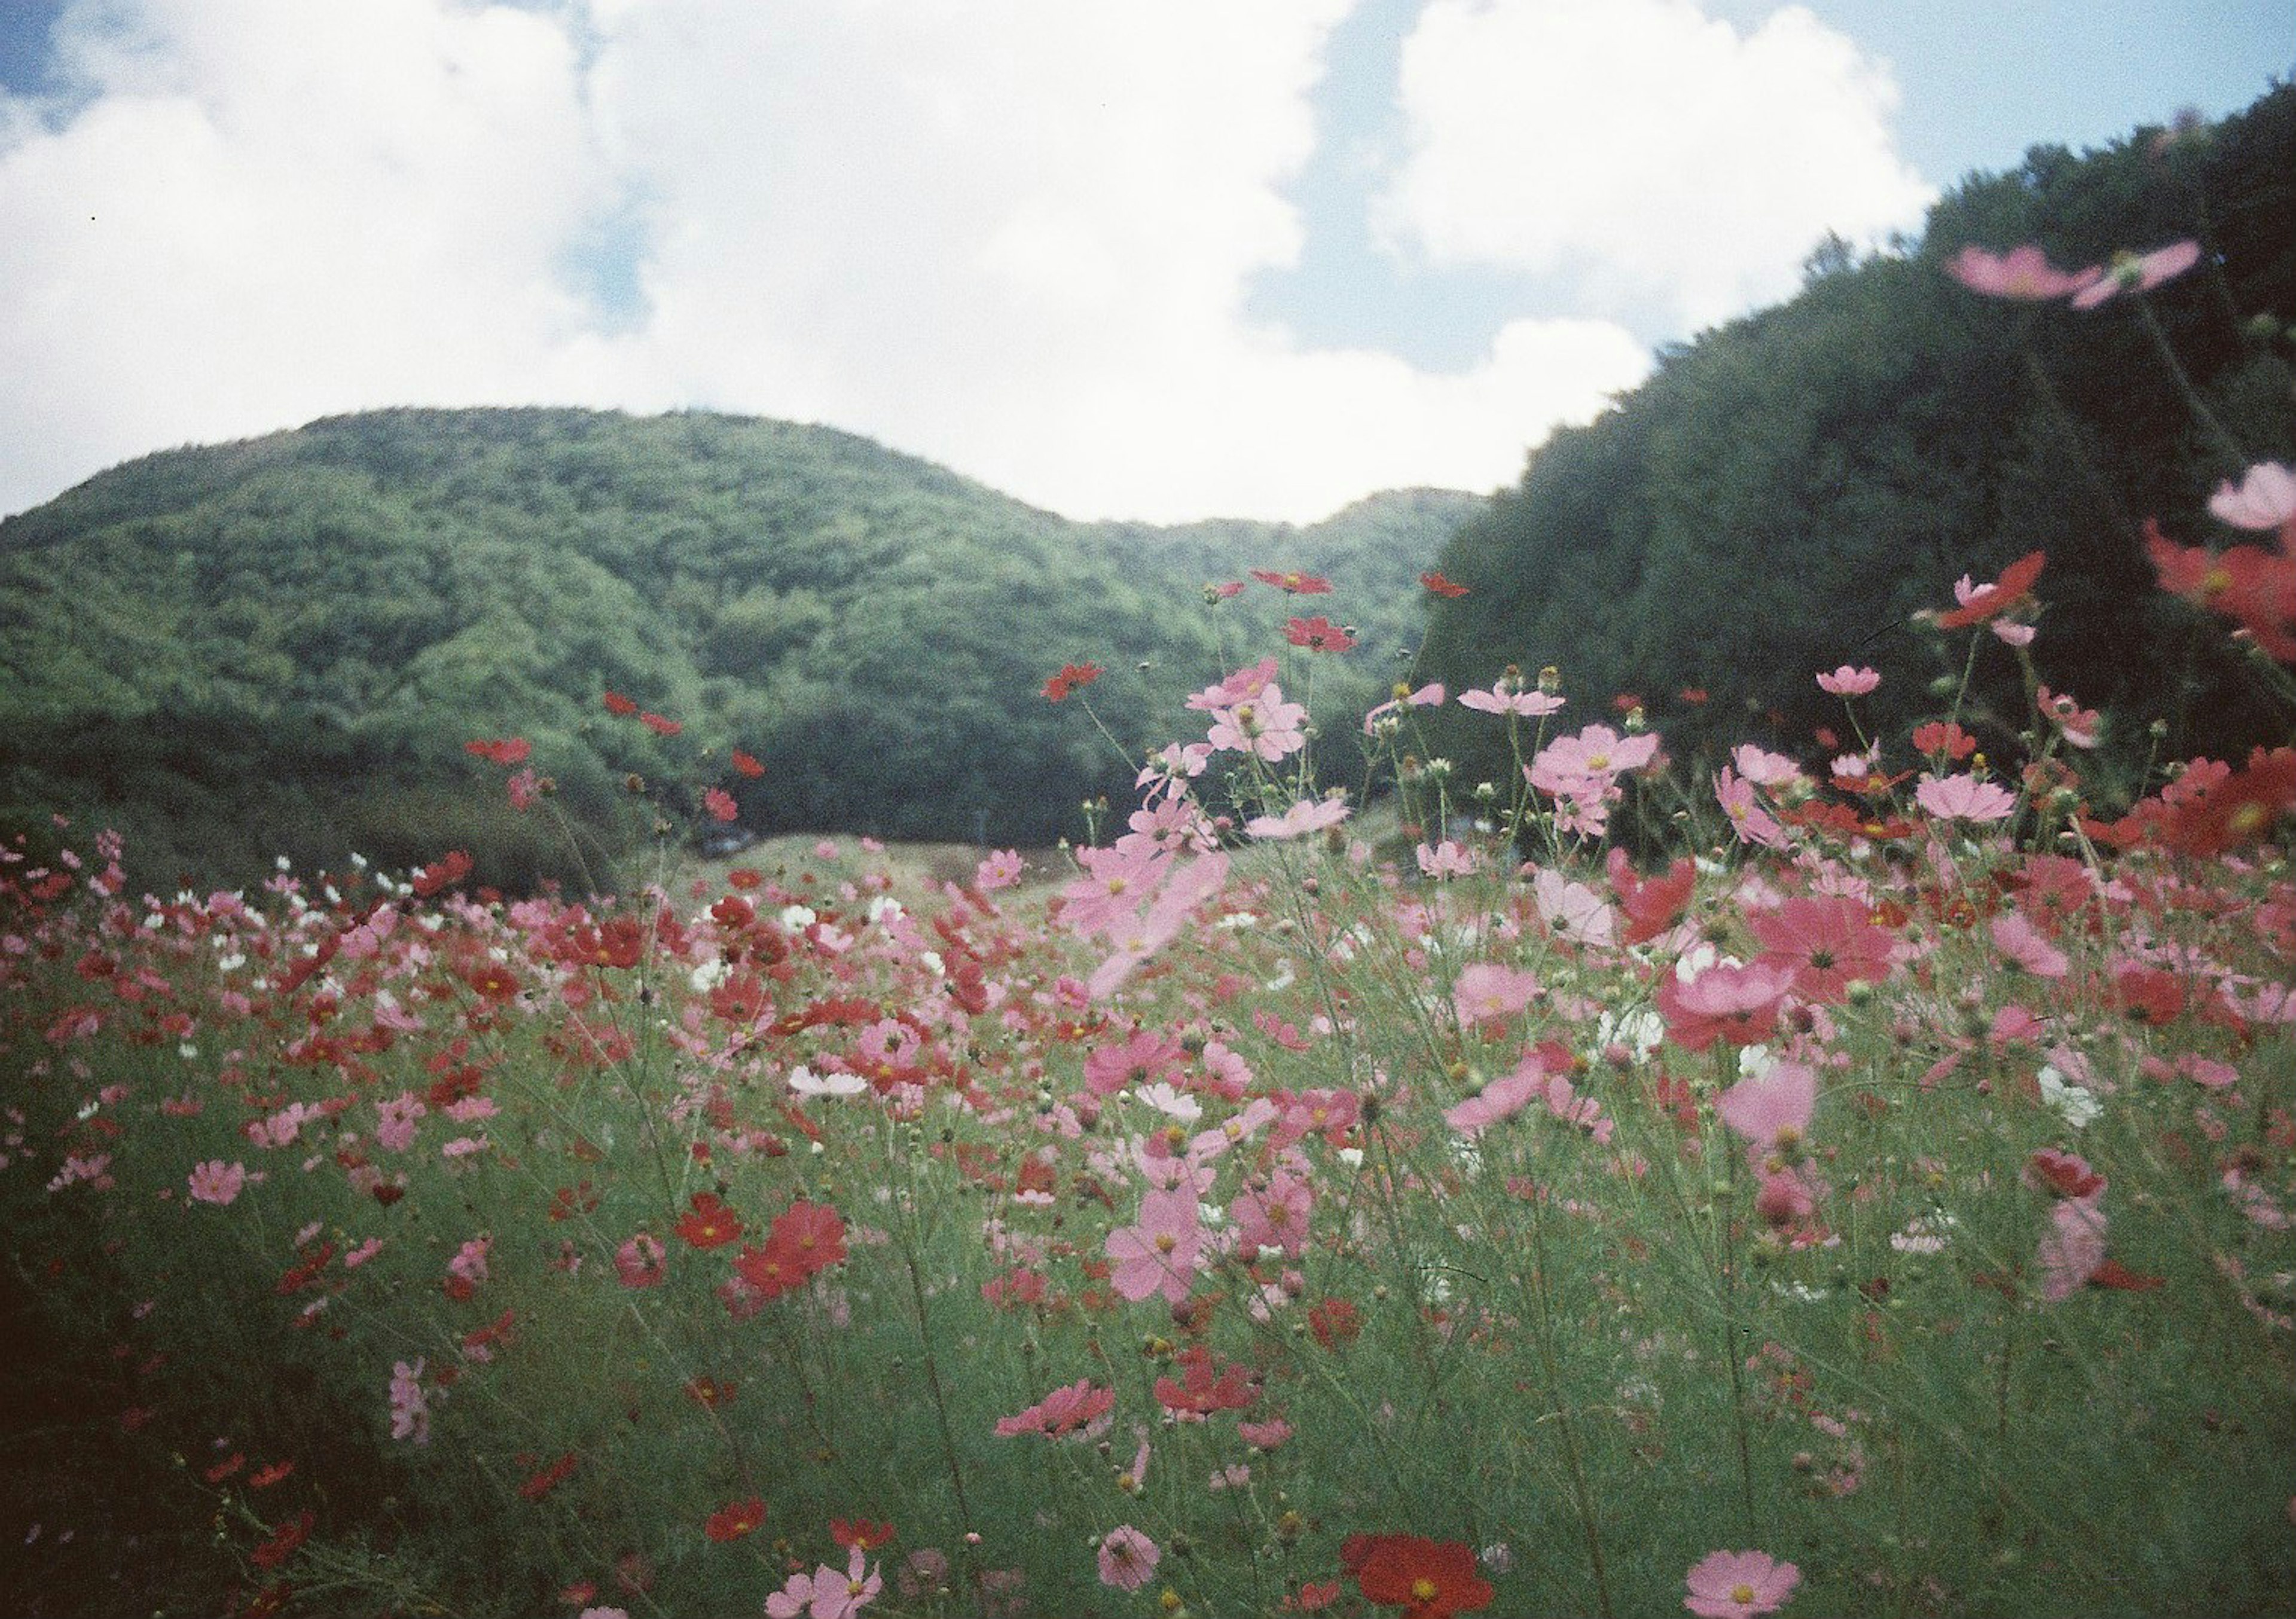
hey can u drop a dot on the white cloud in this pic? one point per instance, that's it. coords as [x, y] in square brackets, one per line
[1015, 237]
[1642, 151]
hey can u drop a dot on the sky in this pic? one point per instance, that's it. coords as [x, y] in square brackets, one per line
[1148, 260]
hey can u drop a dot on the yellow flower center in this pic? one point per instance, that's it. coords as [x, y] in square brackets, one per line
[1741, 1593]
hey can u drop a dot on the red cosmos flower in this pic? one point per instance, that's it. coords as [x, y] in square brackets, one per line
[2241, 809]
[746, 765]
[492, 981]
[1199, 1391]
[720, 804]
[228, 1466]
[2113, 1274]
[1427, 1579]
[661, 726]
[1317, 635]
[733, 1522]
[1293, 583]
[284, 1542]
[619, 706]
[556, 1474]
[1440, 585]
[710, 1224]
[814, 1233]
[510, 750]
[448, 868]
[1987, 603]
[270, 1600]
[1072, 677]
[1334, 1322]
[1944, 737]
[2061, 1175]
[2248, 584]
[859, 1535]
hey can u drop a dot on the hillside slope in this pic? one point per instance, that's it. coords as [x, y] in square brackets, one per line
[282, 645]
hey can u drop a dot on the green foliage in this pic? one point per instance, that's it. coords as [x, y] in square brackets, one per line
[1785, 494]
[280, 646]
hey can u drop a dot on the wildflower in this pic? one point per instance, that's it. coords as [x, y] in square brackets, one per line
[2265, 498]
[1062, 1411]
[217, 1183]
[1293, 583]
[509, 751]
[642, 1261]
[1429, 696]
[410, 1407]
[860, 1533]
[836, 1596]
[661, 726]
[1506, 695]
[1486, 991]
[720, 804]
[1964, 797]
[1317, 635]
[1944, 737]
[1307, 815]
[1828, 943]
[2073, 1249]
[285, 1542]
[1983, 603]
[1847, 682]
[1428, 1579]
[619, 706]
[1128, 1557]
[1000, 870]
[1771, 1109]
[2024, 273]
[1159, 1252]
[710, 1224]
[793, 1600]
[732, 1522]
[1440, 585]
[1737, 1004]
[1445, 859]
[1072, 677]
[2139, 272]
[1739, 1584]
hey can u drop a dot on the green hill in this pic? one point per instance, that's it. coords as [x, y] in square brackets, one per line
[281, 646]
[1786, 493]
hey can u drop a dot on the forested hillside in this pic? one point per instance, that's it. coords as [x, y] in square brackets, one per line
[1786, 492]
[281, 646]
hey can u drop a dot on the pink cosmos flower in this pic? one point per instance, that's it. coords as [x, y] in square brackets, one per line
[2264, 499]
[793, 1600]
[1847, 682]
[410, 1408]
[1772, 1109]
[642, 1261]
[1243, 686]
[1486, 991]
[1307, 815]
[836, 1596]
[1001, 870]
[217, 1183]
[1426, 697]
[1964, 797]
[2024, 273]
[1065, 1411]
[1127, 1558]
[1739, 1584]
[1274, 1215]
[1505, 696]
[2073, 1250]
[1748, 818]
[1574, 911]
[1445, 859]
[2139, 272]
[1764, 768]
[1597, 753]
[1267, 727]
[1500, 1099]
[1738, 1005]
[1826, 941]
[1158, 1254]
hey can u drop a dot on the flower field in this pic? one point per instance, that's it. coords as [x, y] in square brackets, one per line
[1857, 1183]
